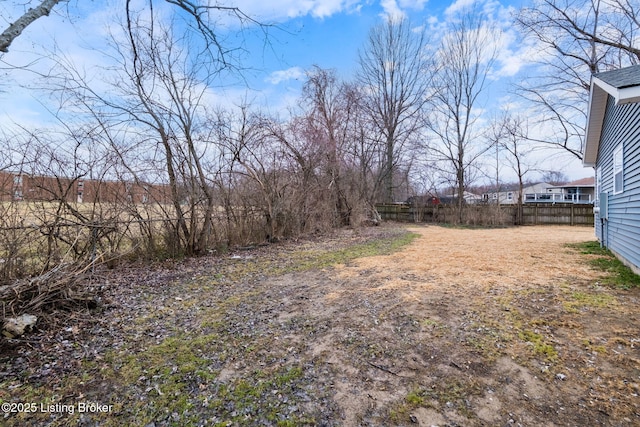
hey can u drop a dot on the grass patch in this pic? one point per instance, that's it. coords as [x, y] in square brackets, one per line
[489, 342]
[450, 393]
[435, 328]
[177, 379]
[539, 345]
[415, 398]
[305, 259]
[259, 398]
[401, 411]
[601, 259]
[592, 247]
[587, 344]
[588, 300]
[157, 382]
[376, 247]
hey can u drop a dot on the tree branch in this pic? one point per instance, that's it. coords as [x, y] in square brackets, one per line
[14, 30]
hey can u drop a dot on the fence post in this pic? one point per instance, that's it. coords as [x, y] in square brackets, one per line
[572, 220]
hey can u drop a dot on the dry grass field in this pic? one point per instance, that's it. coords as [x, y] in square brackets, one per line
[377, 327]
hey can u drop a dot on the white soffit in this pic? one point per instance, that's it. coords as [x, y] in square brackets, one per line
[595, 118]
[622, 95]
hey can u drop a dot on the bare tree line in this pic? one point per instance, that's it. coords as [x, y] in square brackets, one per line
[240, 176]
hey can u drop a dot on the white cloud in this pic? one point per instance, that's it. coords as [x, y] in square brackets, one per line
[395, 9]
[513, 52]
[458, 6]
[279, 10]
[413, 4]
[516, 52]
[391, 9]
[293, 73]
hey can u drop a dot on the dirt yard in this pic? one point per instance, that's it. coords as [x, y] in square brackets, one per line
[449, 327]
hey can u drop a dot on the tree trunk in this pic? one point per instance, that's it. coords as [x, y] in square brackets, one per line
[388, 179]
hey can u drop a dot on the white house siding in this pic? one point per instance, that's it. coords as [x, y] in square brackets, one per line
[621, 233]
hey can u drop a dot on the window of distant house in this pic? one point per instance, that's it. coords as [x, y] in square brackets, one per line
[618, 170]
[509, 196]
[495, 196]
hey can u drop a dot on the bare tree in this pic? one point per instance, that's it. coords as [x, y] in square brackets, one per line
[169, 90]
[395, 72]
[330, 114]
[278, 170]
[466, 57]
[362, 156]
[554, 177]
[260, 162]
[578, 38]
[154, 109]
[510, 134]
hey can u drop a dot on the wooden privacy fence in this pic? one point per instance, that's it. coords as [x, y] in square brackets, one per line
[532, 213]
[397, 212]
[559, 213]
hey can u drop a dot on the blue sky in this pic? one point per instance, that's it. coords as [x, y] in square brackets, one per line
[333, 41]
[327, 33]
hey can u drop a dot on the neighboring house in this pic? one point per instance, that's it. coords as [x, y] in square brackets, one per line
[472, 198]
[431, 200]
[580, 191]
[541, 192]
[508, 195]
[469, 198]
[612, 147]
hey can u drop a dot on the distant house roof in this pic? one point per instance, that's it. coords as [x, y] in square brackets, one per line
[504, 188]
[509, 187]
[624, 86]
[466, 194]
[537, 187]
[584, 182]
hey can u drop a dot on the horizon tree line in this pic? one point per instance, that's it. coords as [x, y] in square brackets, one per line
[239, 175]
